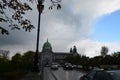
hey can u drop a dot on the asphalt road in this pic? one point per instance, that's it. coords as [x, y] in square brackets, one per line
[61, 74]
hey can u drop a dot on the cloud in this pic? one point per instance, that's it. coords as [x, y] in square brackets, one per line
[71, 25]
[92, 48]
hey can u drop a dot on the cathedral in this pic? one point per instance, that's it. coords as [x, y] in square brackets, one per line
[48, 56]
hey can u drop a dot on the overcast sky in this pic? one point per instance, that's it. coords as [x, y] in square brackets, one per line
[88, 24]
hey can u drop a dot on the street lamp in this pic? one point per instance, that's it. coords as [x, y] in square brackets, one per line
[40, 8]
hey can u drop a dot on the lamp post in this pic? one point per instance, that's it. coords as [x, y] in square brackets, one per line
[40, 8]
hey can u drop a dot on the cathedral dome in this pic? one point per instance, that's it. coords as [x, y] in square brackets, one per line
[47, 46]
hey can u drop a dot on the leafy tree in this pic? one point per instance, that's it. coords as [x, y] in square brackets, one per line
[78, 59]
[115, 54]
[84, 60]
[104, 51]
[28, 56]
[16, 61]
[23, 62]
[27, 59]
[16, 58]
[116, 58]
[69, 58]
[17, 9]
[73, 59]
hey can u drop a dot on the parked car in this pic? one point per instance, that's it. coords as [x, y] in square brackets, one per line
[54, 66]
[74, 66]
[67, 66]
[79, 67]
[102, 75]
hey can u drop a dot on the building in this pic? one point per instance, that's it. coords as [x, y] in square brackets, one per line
[48, 56]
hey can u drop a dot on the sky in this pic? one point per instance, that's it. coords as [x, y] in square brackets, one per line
[88, 24]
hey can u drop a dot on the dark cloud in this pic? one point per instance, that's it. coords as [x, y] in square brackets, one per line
[16, 38]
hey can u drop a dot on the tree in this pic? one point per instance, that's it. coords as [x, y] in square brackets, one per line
[4, 54]
[104, 51]
[17, 9]
[22, 62]
[4, 61]
[17, 58]
[16, 61]
[69, 58]
[116, 58]
[27, 59]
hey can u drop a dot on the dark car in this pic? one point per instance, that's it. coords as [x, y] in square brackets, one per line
[67, 66]
[102, 75]
[115, 74]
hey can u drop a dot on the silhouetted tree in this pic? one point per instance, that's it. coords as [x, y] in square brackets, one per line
[69, 58]
[27, 59]
[16, 61]
[4, 54]
[4, 60]
[104, 51]
[116, 58]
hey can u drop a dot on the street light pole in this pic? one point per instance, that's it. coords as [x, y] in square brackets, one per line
[40, 7]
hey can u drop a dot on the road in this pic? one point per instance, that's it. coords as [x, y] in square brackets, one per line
[61, 74]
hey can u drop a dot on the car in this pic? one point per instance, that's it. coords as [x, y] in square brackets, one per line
[79, 67]
[74, 66]
[102, 75]
[115, 74]
[54, 66]
[67, 66]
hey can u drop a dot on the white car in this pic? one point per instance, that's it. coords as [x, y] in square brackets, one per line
[54, 66]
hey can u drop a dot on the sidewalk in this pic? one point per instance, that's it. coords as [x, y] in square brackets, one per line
[47, 75]
[32, 76]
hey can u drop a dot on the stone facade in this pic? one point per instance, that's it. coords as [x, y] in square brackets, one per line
[48, 56]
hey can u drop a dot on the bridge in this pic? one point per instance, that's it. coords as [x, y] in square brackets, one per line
[60, 74]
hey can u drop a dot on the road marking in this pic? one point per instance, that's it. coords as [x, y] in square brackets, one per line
[55, 76]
